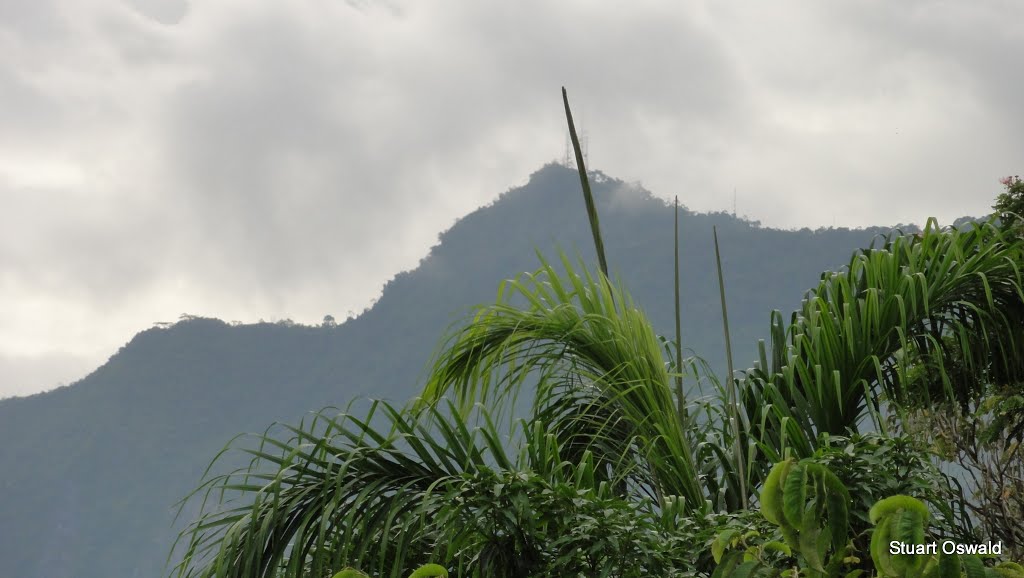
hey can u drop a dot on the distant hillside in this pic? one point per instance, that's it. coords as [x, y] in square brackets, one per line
[90, 472]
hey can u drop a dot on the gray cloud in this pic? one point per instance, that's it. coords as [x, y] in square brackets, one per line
[267, 160]
[167, 12]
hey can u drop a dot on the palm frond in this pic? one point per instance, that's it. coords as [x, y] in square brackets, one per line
[918, 299]
[582, 328]
[340, 491]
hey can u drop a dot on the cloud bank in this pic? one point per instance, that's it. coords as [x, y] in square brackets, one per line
[261, 159]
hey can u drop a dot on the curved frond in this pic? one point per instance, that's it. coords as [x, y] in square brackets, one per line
[574, 328]
[340, 491]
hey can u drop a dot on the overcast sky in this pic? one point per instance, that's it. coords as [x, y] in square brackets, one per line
[249, 159]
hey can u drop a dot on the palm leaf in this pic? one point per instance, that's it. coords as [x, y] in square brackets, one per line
[918, 299]
[575, 327]
[338, 492]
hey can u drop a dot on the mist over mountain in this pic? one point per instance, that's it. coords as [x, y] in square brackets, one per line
[91, 472]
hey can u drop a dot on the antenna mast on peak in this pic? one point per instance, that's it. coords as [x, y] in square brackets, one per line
[584, 136]
[586, 148]
[568, 162]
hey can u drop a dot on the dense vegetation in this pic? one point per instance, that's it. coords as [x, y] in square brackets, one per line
[553, 436]
[96, 468]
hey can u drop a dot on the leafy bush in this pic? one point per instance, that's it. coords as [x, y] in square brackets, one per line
[809, 505]
[520, 524]
[811, 508]
[1010, 203]
[904, 520]
[874, 466]
[987, 455]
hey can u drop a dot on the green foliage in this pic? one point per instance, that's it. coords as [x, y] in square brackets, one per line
[904, 520]
[350, 573]
[603, 417]
[169, 399]
[339, 492]
[874, 466]
[580, 335]
[923, 298]
[434, 488]
[808, 504]
[1006, 414]
[522, 525]
[1009, 204]
[430, 571]
[425, 571]
[607, 463]
[127, 442]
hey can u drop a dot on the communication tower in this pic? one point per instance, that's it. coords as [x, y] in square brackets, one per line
[570, 157]
[569, 161]
[585, 146]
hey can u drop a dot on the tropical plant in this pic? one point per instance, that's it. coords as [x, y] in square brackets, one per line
[923, 299]
[809, 505]
[1009, 204]
[903, 521]
[424, 571]
[401, 487]
[811, 508]
[987, 457]
[457, 478]
[873, 467]
[597, 368]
